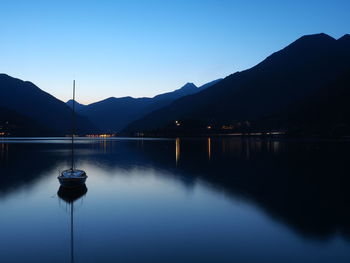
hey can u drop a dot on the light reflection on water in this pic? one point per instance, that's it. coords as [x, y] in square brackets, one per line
[216, 200]
[177, 150]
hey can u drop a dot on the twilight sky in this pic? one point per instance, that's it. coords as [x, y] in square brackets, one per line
[146, 47]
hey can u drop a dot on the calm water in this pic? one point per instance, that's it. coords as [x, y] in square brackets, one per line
[188, 200]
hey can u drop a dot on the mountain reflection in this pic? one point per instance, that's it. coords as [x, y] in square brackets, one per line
[303, 184]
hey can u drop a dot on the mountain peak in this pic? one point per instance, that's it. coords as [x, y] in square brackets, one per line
[305, 45]
[71, 101]
[314, 39]
[4, 75]
[319, 36]
[115, 100]
[188, 85]
[345, 38]
[78, 106]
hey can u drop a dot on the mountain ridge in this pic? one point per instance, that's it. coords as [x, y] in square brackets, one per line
[308, 71]
[30, 101]
[112, 114]
[283, 78]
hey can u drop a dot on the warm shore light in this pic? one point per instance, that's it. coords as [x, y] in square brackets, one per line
[100, 135]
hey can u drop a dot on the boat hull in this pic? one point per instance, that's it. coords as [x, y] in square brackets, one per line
[72, 178]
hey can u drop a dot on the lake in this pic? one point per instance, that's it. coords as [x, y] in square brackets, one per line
[176, 200]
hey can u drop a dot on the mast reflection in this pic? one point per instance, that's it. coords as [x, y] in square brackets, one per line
[70, 195]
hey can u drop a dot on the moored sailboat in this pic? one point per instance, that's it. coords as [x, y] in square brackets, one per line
[72, 177]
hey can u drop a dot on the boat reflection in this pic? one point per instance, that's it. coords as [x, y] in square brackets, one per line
[70, 195]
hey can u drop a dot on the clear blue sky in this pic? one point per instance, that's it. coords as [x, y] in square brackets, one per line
[142, 48]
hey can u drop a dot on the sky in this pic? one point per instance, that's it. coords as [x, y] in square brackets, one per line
[144, 48]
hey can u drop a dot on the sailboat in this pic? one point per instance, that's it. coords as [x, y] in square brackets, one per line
[72, 177]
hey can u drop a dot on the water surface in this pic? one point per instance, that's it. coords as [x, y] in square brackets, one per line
[177, 200]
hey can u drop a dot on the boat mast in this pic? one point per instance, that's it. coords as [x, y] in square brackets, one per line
[73, 124]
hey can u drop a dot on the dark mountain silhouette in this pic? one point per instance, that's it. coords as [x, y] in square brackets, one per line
[293, 76]
[23, 100]
[15, 124]
[187, 89]
[209, 84]
[78, 106]
[113, 114]
[325, 112]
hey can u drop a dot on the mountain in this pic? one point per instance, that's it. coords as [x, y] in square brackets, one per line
[187, 89]
[110, 115]
[282, 82]
[324, 112]
[164, 99]
[38, 110]
[113, 114]
[16, 125]
[209, 84]
[78, 106]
